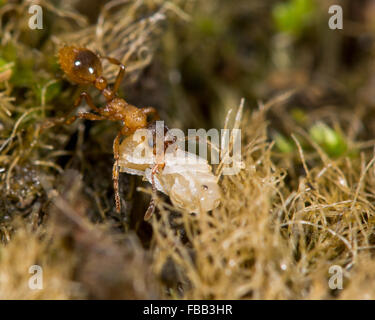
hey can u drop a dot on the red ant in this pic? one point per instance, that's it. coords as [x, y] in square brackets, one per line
[83, 66]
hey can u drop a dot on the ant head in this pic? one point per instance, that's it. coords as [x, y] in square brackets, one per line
[80, 65]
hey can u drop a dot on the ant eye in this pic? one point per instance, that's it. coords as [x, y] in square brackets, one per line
[204, 187]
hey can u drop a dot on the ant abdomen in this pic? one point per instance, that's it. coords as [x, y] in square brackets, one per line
[80, 65]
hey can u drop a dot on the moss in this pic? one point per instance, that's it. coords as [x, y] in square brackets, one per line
[331, 141]
[293, 16]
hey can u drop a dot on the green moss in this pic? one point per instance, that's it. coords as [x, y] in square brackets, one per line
[299, 115]
[294, 16]
[208, 26]
[52, 90]
[9, 52]
[283, 144]
[332, 142]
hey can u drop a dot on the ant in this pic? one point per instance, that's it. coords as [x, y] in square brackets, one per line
[82, 66]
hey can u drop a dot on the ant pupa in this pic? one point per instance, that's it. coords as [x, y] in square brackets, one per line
[186, 178]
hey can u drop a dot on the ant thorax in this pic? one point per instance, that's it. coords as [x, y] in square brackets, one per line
[115, 107]
[186, 178]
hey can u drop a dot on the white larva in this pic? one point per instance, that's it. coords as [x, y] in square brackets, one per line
[191, 185]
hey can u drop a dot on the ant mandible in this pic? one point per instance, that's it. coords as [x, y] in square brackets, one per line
[83, 66]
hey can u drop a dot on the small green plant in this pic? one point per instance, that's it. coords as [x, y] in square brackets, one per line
[332, 142]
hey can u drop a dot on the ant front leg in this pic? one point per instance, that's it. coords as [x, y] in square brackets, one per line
[121, 73]
[84, 95]
[87, 97]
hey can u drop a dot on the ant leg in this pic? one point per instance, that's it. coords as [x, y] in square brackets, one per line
[151, 207]
[52, 122]
[83, 115]
[120, 74]
[152, 111]
[88, 99]
[115, 171]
